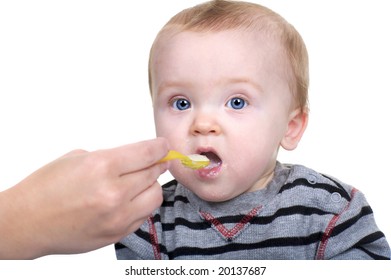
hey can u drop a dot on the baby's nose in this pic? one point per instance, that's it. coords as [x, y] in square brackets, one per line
[205, 124]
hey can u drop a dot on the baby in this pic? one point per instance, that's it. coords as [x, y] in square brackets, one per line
[229, 80]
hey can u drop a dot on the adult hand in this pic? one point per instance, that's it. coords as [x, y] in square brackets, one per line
[82, 201]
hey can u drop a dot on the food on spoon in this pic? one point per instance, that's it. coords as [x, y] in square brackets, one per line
[195, 161]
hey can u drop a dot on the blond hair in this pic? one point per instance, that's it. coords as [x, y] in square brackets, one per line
[219, 15]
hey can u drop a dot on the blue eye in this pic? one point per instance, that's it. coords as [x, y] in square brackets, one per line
[181, 104]
[237, 103]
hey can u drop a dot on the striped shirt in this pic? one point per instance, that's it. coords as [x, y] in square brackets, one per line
[301, 214]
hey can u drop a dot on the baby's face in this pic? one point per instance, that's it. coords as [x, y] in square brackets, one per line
[225, 95]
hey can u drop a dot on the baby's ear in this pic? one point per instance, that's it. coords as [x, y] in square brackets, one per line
[298, 120]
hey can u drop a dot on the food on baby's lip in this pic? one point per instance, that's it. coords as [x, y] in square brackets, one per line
[195, 161]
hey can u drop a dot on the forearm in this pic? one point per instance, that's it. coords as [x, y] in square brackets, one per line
[16, 234]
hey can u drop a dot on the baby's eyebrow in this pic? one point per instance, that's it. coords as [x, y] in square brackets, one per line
[181, 84]
[242, 80]
[172, 84]
[232, 81]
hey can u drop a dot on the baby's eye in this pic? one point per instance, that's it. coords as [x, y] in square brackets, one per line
[181, 104]
[237, 103]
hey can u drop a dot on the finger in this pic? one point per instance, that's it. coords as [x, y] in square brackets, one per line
[138, 156]
[137, 182]
[146, 202]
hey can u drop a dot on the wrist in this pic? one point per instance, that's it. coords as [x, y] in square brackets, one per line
[17, 235]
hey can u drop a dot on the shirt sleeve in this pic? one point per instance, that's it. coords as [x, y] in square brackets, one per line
[353, 234]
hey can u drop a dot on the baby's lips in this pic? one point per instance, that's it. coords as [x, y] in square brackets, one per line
[211, 171]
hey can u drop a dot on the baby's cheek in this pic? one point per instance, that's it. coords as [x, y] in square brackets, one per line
[247, 171]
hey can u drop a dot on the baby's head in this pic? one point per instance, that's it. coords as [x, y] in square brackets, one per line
[229, 80]
[220, 15]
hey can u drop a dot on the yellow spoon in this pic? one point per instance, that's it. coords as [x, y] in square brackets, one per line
[191, 161]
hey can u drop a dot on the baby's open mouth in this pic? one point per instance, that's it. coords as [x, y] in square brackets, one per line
[215, 160]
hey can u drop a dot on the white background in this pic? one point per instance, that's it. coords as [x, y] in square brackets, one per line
[73, 74]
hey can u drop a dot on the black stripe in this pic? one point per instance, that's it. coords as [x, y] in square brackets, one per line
[290, 211]
[178, 198]
[366, 210]
[338, 185]
[147, 238]
[156, 218]
[373, 255]
[170, 184]
[327, 187]
[185, 223]
[143, 235]
[235, 247]
[371, 238]
[283, 212]
[168, 204]
[119, 246]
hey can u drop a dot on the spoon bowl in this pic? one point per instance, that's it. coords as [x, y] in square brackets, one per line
[195, 161]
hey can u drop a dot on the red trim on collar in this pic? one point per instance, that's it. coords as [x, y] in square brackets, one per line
[229, 234]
